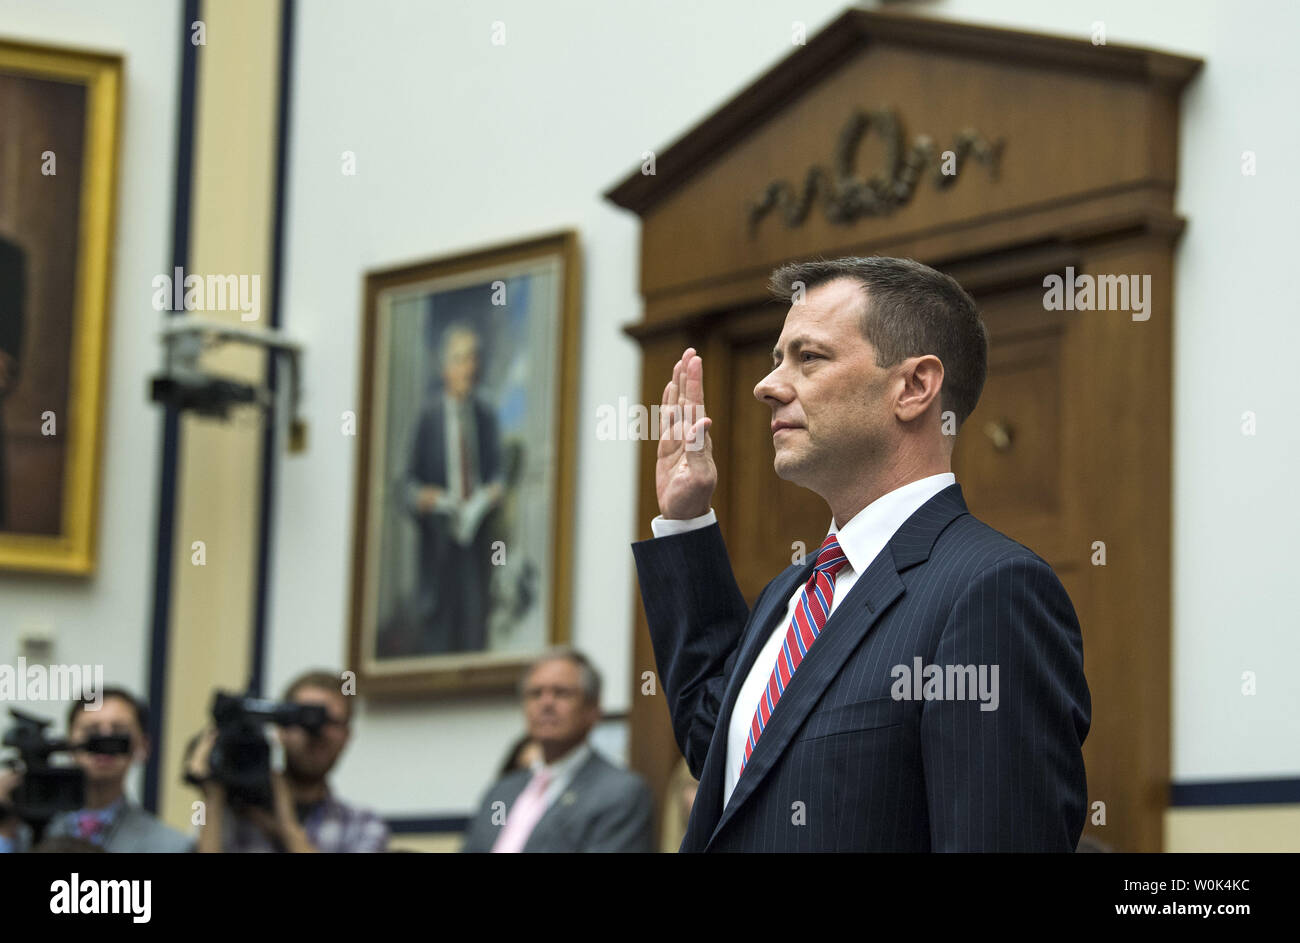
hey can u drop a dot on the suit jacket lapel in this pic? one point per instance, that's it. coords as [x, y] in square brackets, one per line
[509, 793]
[120, 829]
[484, 832]
[563, 806]
[847, 626]
[708, 803]
[873, 593]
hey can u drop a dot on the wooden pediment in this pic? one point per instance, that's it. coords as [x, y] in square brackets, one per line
[886, 131]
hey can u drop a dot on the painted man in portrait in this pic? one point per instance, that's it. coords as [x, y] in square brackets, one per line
[454, 485]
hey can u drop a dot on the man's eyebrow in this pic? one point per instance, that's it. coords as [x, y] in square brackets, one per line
[795, 343]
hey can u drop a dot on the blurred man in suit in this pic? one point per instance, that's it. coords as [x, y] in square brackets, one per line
[109, 819]
[917, 685]
[454, 480]
[572, 799]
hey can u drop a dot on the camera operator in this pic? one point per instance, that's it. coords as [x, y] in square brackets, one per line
[306, 816]
[108, 819]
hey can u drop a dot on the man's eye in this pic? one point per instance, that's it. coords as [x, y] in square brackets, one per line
[806, 355]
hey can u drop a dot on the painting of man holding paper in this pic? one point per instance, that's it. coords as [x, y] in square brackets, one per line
[454, 481]
[464, 486]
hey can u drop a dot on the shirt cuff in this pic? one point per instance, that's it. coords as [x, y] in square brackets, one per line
[663, 527]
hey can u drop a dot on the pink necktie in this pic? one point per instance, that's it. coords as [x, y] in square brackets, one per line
[525, 814]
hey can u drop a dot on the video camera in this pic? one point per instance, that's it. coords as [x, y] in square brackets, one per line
[48, 788]
[241, 755]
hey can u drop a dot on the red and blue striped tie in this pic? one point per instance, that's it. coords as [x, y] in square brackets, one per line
[809, 618]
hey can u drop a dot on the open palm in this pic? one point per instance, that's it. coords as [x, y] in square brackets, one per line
[685, 474]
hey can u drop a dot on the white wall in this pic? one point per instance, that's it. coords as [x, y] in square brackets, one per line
[460, 143]
[105, 619]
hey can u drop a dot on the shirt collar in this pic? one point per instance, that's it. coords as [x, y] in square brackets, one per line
[567, 765]
[108, 813]
[326, 802]
[863, 537]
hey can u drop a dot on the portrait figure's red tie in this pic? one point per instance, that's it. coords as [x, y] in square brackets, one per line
[810, 616]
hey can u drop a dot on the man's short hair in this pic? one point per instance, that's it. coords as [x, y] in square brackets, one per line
[138, 706]
[588, 676]
[910, 310]
[322, 679]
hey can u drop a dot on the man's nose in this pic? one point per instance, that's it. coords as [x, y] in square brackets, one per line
[770, 390]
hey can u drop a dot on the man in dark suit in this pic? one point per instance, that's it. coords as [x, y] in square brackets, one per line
[454, 484]
[572, 799]
[917, 685]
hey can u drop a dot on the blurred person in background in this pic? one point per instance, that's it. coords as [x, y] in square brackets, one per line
[109, 819]
[572, 799]
[306, 815]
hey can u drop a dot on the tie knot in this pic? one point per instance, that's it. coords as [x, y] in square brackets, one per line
[830, 558]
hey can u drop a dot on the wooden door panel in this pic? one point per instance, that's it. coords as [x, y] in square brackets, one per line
[1009, 455]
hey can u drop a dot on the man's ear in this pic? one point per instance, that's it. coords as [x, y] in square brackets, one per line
[142, 751]
[922, 382]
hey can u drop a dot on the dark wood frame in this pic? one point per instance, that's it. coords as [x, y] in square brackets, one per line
[498, 675]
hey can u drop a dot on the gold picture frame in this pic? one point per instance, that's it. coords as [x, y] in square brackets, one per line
[59, 535]
[452, 594]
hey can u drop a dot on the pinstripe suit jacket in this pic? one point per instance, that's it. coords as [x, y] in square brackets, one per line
[843, 764]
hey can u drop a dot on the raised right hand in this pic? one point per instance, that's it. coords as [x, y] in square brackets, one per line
[685, 474]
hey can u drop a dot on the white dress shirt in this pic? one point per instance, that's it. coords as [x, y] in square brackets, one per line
[861, 539]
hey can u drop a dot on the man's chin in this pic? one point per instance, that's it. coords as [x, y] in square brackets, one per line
[104, 777]
[306, 775]
[789, 468]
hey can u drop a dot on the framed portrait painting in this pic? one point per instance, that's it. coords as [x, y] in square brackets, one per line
[58, 144]
[464, 494]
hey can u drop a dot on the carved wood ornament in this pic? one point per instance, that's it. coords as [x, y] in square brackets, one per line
[845, 197]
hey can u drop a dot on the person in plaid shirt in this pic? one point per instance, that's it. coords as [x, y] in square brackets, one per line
[307, 817]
